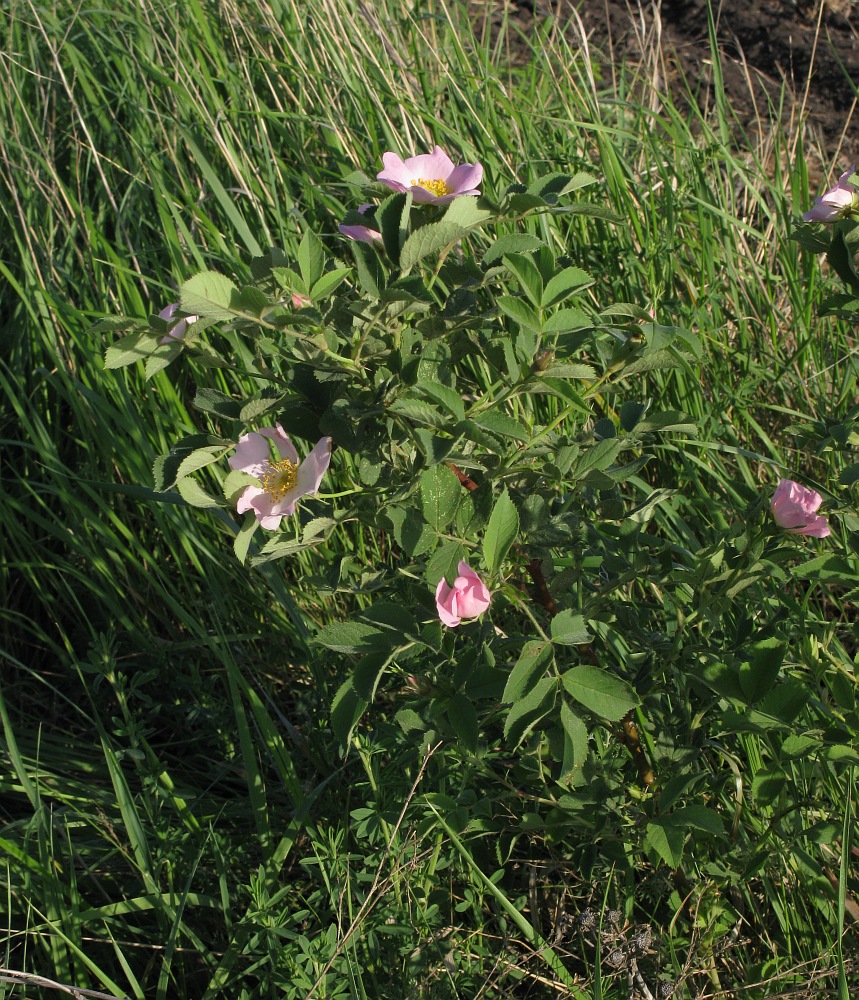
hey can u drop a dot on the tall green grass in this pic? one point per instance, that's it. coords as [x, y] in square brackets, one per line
[177, 819]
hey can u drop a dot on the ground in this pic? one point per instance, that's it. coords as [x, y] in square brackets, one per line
[763, 42]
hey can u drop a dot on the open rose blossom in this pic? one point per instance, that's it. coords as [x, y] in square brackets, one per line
[282, 483]
[837, 203]
[179, 328]
[467, 598]
[794, 509]
[363, 234]
[431, 177]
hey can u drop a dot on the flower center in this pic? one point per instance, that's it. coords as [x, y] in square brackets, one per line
[438, 187]
[279, 478]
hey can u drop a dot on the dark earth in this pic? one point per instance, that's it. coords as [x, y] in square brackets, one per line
[764, 44]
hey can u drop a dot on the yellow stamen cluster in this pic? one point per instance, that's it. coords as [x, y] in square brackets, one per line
[279, 478]
[438, 188]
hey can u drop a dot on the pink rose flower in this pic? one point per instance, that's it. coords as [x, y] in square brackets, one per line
[179, 328]
[467, 598]
[363, 234]
[431, 177]
[837, 203]
[283, 482]
[793, 508]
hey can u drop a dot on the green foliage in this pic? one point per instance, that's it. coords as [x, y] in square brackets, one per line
[279, 774]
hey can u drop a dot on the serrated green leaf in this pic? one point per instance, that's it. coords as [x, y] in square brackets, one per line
[534, 660]
[444, 562]
[523, 267]
[242, 541]
[350, 637]
[517, 243]
[237, 481]
[528, 711]
[598, 456]
[371, 273]
[697, 818]
[208, 294]
[564, 284]
[520, 312]
[418, 410]
[368, 672]
[501, 531]
[462, 716]
[575, 744]
[666, 840]
[328, 283]
[603, 693]
[258, 406]
[440, 492]
[759, 672]
[466, 212]
[346, 710]
[568, 629]
[504, 426]
[427, 240]
[194, 494]
[587, 372]
[135, 347]
[449, 398]
[199, 459]
[392, 218]
[311, 259]
[567, 320]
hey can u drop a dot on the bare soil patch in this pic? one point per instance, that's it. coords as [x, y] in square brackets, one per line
[811, 46]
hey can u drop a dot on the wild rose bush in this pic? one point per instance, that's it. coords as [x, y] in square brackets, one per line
[463, 395]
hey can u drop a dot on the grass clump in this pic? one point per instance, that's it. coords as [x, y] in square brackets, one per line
[203, 796]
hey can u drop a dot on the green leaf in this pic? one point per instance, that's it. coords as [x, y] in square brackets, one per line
[392, 218]
[237, 481]
[368, 672]
[527, 711]
[587, 372]
[523, 267]
[449, 398]
[500, 532]
[767, 785]
[564, 284]
[697, 818]
[534, 660]
[598, 456]
[575, 744]
[311, 259]
[566, 320]
[328, 283]
[666, 840]
[601, 692]
[499, 423]
[242, 541]
[829, 568]
[419, 411]
[199, 459]
[194, 494]
[440, 492]
[135, 347]
[371, 273]
[346, 709]
[520, 312]
[517, 243]
[759, 672]
[462, 716]
[349, 637]
[466, 212]
[208, 294]
[568, 629]
[427, 240]
[444, 562]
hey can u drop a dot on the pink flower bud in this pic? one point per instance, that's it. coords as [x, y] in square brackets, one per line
[467, 598]
[793, 508]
